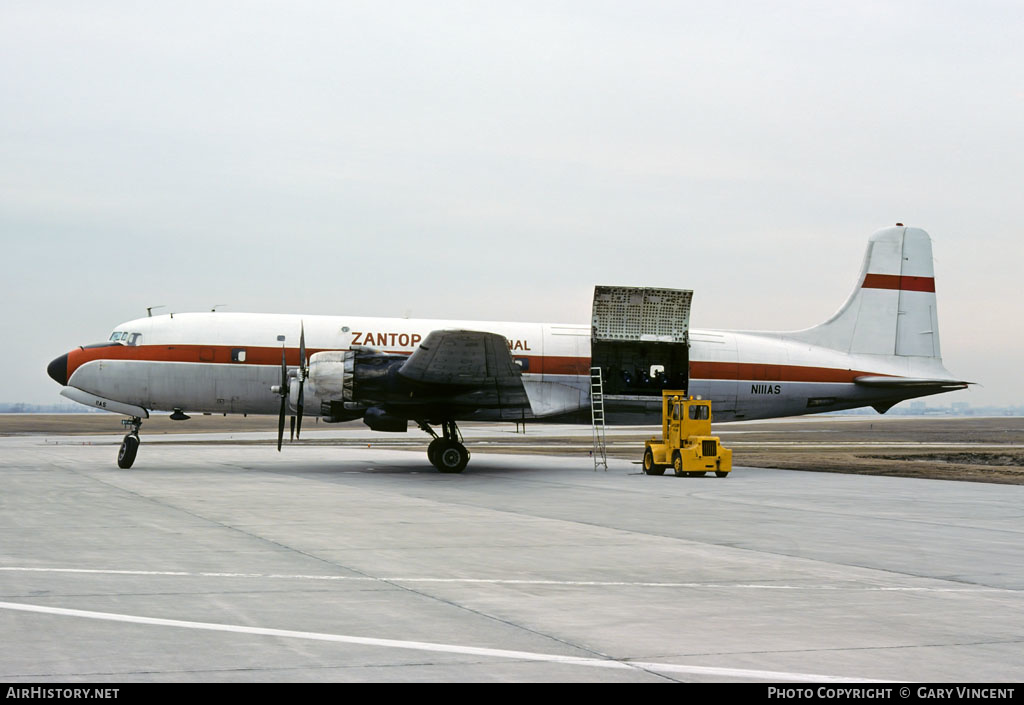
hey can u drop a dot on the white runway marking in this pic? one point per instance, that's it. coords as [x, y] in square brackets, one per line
[442, 648]
[503, 581]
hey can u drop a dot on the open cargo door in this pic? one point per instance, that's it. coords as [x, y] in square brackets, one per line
[641, 342]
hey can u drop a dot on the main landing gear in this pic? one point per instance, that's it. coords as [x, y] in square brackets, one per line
[446, 453]
[130, 444]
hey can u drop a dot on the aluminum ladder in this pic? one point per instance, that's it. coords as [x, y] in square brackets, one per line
[600, 453]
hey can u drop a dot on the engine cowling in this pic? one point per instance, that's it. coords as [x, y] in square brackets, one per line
[348, 382]
[331, 374]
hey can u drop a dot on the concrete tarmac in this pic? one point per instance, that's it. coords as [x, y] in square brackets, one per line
[228, 562]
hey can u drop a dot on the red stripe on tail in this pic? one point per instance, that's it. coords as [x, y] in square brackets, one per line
[901, 283]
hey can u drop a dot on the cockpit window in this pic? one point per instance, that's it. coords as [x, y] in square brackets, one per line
[125, 337]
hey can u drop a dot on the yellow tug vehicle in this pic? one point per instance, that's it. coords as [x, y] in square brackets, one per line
[686, 445]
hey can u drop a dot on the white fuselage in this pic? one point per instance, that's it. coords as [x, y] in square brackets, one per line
[228, 362]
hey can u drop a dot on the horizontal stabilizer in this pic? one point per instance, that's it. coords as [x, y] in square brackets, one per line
[910, 383]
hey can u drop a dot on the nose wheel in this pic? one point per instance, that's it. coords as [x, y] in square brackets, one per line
[129, 444]
[446, 453]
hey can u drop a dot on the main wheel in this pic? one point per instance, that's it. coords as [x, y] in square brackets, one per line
[129, 448]
[649, 467]
[432, 450]
[451, 456]
[677, 464]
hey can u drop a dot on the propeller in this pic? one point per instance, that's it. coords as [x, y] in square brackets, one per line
[283, 390]
[301, 374]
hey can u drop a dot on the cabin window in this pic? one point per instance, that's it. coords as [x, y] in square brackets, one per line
[237, 354]
[523, 362]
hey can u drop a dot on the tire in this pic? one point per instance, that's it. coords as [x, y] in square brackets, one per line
[129, 449]
[432, 450]
[677, 464]
[451, 456]
[695, 474]
[719, 473]
[650, 468]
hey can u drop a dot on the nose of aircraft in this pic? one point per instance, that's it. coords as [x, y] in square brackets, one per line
[58, 370]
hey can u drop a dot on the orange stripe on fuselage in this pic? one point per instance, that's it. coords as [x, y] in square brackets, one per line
[772, 373]
[213, 354]
[538, 364]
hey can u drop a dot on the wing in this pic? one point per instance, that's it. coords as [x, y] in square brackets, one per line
[461, 357]
[464, 369]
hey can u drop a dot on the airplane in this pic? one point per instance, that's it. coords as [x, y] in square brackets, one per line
[881, 347]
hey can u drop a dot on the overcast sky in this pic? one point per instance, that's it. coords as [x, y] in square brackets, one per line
[489, 160]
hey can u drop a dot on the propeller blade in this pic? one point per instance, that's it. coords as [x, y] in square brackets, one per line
[293, 431]
[302, 375]
[284, 373]
[284, 396]
[280, 423]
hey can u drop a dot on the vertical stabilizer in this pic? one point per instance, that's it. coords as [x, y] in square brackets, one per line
[892, 309]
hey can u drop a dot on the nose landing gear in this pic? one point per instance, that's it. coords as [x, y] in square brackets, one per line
[130, 443]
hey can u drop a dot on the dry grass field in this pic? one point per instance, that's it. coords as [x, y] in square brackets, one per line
[970, 449]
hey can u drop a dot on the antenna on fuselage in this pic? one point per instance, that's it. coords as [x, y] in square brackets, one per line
[149, 309]
[216, 306]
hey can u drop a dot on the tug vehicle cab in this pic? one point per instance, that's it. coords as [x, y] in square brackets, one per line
[686, 444]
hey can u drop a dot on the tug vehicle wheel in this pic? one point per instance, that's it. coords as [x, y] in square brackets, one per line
[650, 468]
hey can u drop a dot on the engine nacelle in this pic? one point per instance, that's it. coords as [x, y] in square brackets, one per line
[349, 381]
[380, 420]
[340, 411]
[332, 374]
